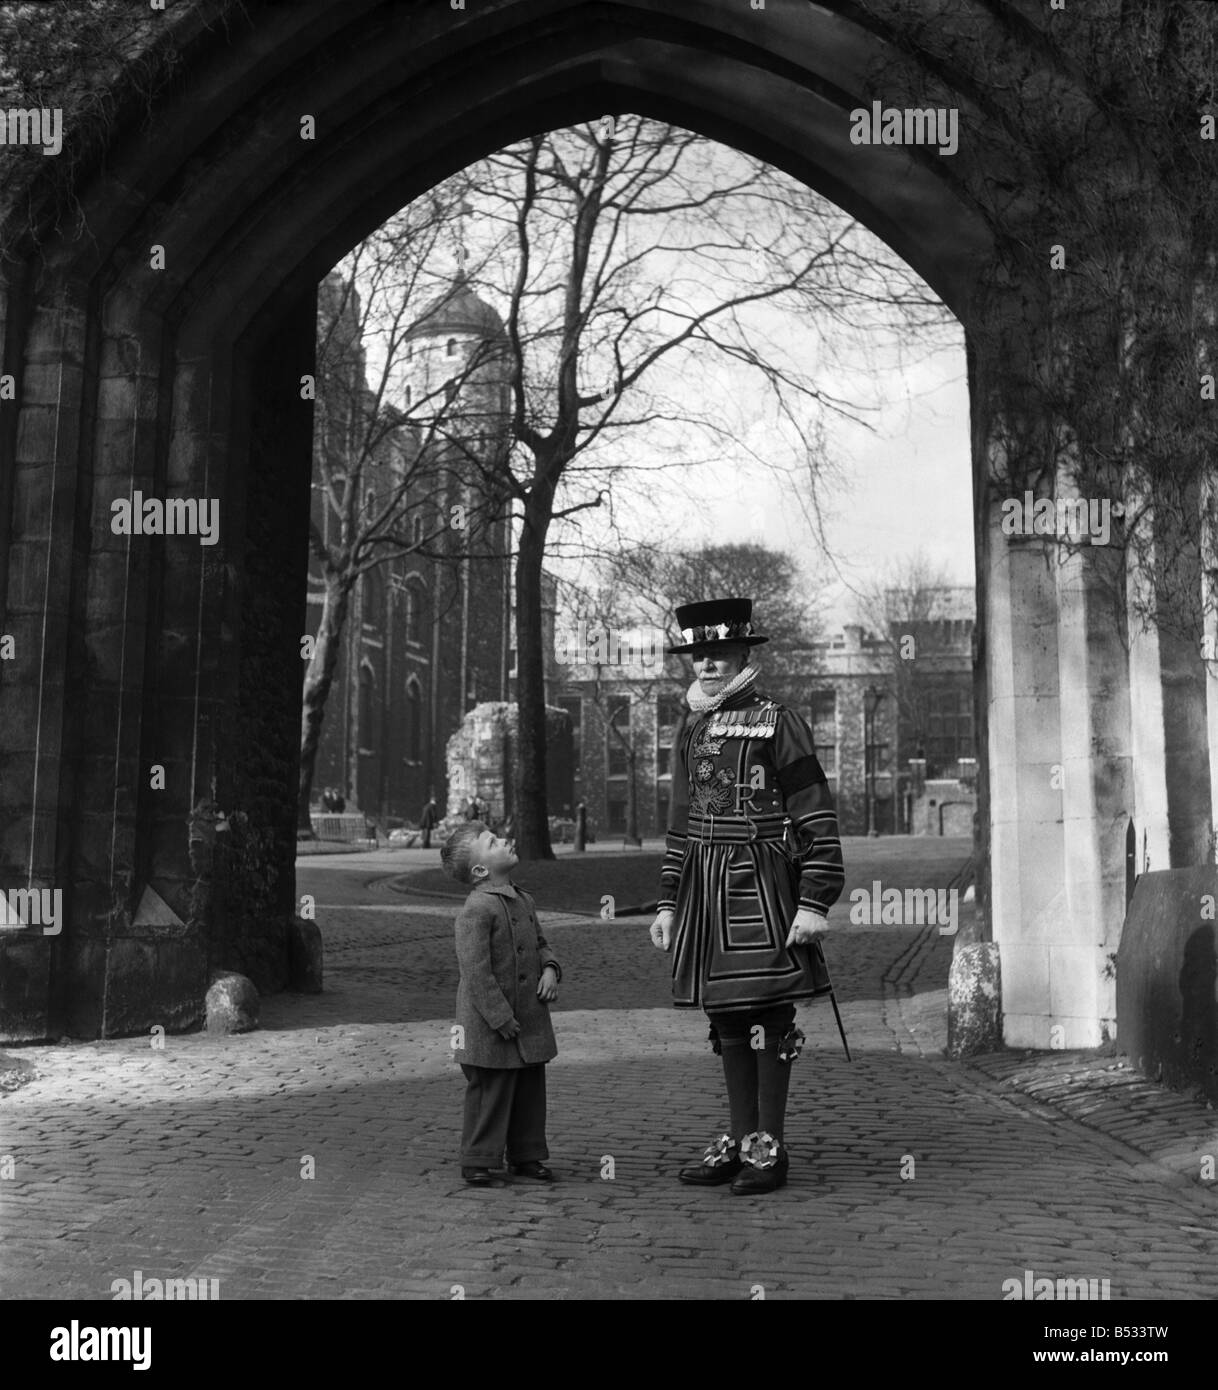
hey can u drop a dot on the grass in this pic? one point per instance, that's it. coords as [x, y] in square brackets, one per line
[570, 883]
[576, 883]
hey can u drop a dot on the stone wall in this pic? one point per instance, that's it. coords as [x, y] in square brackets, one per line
[481, 758]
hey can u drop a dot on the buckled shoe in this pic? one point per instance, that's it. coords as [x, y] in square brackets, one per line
[764, 1164]
[720, 1163]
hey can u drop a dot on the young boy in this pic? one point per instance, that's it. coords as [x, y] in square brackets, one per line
[508, 977]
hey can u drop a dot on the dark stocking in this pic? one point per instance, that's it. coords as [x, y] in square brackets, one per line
[773, 1079]
[740, 1073]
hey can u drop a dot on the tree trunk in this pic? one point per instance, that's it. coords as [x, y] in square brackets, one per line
[317, 685]
[532, 823]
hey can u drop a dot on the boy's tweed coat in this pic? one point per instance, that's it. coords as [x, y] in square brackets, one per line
[502, 953]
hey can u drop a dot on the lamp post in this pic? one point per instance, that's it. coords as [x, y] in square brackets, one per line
[872, 698]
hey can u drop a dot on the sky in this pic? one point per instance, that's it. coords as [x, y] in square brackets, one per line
[898, 488]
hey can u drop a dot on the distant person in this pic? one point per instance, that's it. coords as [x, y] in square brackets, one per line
[476, 808]
[327, 799]
[427, 820]
[340, 803]
[508, 978]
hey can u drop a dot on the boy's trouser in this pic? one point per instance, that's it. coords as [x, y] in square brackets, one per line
[505, 1108]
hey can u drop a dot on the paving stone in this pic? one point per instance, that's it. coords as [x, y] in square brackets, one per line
[187, 1162]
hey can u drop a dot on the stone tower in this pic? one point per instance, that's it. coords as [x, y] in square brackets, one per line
[457, 397]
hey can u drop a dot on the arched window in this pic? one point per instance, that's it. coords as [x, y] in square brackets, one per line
[415, 612]
[414, 721]
[367, 709]
[450, 348]
[409, 394]
[374, 599]
[617, 738]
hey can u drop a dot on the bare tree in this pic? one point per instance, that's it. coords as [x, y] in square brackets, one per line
[626, 250]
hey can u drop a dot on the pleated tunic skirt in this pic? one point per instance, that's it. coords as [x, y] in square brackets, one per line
[735, 905]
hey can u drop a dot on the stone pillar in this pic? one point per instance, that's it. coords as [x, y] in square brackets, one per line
[1149, 812]
[124, 594]
[251, 703]
[1097, 796]
[1208, 503]
[36, 791]
[1028, 910]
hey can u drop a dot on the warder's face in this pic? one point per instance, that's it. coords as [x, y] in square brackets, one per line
[717, 665]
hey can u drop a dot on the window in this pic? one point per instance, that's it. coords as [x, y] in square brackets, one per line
[450, 348]
[670, 712]
[617, 759]
[823, 718]
[415, 615]
[409, 394]
[949, 729]
[374, 599]
[416, 528]
[367, 712]
[414, 721]
[573, 704]
[670, 715]
[450, 389]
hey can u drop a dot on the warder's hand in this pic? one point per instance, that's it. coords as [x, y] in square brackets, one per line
[808, 926]
[661, 929]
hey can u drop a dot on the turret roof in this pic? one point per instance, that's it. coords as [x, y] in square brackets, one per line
[459, 309]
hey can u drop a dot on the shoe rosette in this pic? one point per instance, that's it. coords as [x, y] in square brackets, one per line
[760, 1149]
[791, 1044]
[724, 1150]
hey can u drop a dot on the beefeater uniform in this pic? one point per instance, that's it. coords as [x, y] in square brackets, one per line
[752, 840]
[752, 837]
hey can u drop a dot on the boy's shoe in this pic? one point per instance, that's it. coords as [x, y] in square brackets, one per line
[534, 1168]
[480, 1177]
[765, 1164]
[720, 1163]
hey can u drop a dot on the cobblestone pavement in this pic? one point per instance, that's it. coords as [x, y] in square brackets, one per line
[912, 1176]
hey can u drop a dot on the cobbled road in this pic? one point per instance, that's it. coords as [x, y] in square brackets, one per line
[317, 1156]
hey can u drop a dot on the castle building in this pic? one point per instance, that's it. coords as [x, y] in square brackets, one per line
[428, 633]
[895, 737]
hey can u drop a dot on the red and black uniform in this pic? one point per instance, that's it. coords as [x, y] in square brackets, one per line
[752, 837]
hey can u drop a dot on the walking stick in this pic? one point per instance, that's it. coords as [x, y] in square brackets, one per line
[840, 1029]
[833, 1000]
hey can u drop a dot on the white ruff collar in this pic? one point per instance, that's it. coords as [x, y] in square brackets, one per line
[700, 703]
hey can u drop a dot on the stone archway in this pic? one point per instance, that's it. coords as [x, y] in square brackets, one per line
[183, 380]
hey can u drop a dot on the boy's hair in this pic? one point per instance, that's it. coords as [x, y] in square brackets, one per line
[457, 850]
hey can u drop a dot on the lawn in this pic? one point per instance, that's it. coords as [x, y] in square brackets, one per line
[577, 883]
[570, 883]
